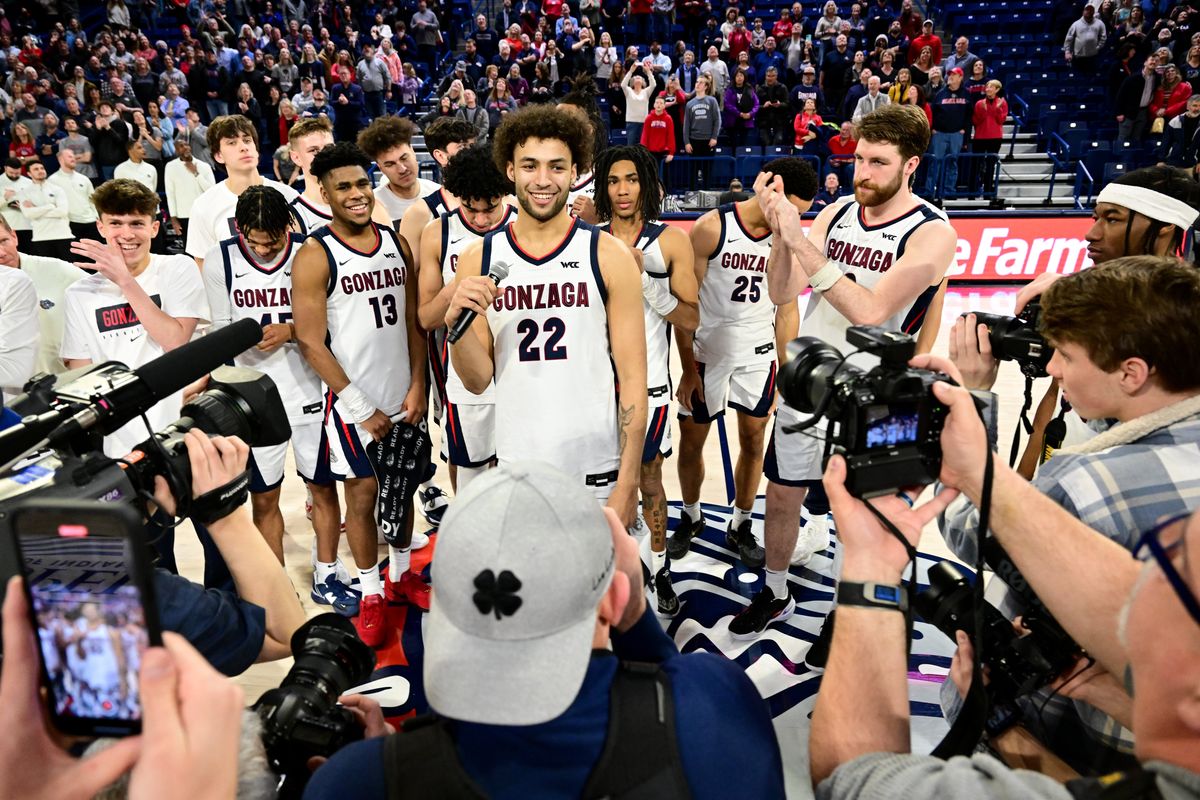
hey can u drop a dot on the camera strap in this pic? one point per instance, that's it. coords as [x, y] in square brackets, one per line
[1023, 422]
[969, 726]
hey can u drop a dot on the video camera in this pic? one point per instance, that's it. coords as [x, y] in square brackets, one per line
[1017, 339]
[885, 422]
[56, 449]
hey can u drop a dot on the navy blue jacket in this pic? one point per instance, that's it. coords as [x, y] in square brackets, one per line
[952, 110]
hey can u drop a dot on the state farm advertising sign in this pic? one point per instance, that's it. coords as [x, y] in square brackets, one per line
[1011, 247]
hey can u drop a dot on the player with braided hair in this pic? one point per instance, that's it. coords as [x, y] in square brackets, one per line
[629, 202]
[249, 276]
[581, 103]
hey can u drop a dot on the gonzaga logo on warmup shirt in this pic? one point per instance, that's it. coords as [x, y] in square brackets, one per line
[120, 317]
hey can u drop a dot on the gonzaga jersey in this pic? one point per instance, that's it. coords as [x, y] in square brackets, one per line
[262, 292]
[368, 333]
[585, 186]
[556, 397]
[310, 215]
[658, 330]
[437, 203]
[100, 666]
[737, 318]
[865, 253]
[457, 235]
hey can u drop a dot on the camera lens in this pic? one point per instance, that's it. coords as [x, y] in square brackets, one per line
[804, 380]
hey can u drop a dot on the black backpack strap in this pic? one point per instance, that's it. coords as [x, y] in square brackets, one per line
[641, 752]
[1136, 784]
[421, 763]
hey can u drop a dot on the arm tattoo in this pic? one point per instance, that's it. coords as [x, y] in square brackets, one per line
[626, 416]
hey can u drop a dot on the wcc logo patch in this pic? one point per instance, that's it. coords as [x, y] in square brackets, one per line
[120, 317]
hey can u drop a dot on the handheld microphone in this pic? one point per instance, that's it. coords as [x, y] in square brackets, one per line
[497, 272]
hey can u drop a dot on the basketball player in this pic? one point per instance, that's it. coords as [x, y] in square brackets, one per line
[581, 101]
[102, 670]
[568, 312]
[444, 137]
[355, 304]
[233, 141]
[388, 142]
[307, 138]
[468, 423]
[877, 258]
[249, 276]
[732, 361]
[630, 202]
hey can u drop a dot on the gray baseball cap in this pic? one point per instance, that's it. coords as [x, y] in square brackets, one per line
[524, 556]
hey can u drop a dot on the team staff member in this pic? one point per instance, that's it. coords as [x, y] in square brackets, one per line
[50, 277]
[18, 312]
[569, 313]
[630, 200]
[877, 259]
[81, 214]
[185, 178]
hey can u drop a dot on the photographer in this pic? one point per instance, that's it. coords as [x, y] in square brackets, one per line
[232, 629]
[1141, 622]
[520, 677]
[1125, 338]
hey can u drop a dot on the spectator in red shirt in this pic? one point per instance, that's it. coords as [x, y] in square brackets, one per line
[841, 153]
[927, 39]
[739, 40]
[1170, 98]
[552, 10]
[805, 134]
[988, 121]
[782, 29]
[911, 20]
[658, 132]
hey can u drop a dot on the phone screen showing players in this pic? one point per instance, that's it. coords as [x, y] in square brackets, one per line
[90, 624]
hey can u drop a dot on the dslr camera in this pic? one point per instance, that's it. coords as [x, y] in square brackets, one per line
[1017, 339]
[301, 718]
[885, 422]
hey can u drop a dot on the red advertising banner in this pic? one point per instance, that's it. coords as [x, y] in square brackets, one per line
[1011, 247]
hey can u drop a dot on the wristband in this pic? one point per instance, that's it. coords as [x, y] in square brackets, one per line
[873, 595]
[353, 405]
[825, 277]
[658, 295]
[220, 502]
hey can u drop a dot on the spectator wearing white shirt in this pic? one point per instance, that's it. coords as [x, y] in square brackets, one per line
[50, 277]
[137, 306]
[49, 214]
[872, 100]
[18, 326]
[186, 179]
[81, 214]
[715, 67]
[136, 167]
[12, 183]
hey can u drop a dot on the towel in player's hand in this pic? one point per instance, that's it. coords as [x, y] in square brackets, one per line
[401, 462]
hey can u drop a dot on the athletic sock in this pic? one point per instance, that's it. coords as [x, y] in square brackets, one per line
[399, 562]
[740, 516]
[368, 581]
[658, 561]
[324, 571]
[693, 511]
[777, 582]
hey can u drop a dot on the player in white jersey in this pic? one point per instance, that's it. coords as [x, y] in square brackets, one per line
[876, 259]
[581, 103]
[444, 137]
[630, 201]
[388, 142]
[233, 142]
[733, 359]
[102, 669]
[307, 138]
[355, 303]
[567, 313]
[468, 429]
[249, 276]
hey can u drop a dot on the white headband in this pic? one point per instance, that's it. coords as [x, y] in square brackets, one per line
[1150, 203]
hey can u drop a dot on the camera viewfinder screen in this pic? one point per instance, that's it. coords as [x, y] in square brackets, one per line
[889, 426]
[90, 623]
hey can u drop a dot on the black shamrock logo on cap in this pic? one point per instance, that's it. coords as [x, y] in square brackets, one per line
[497, 595]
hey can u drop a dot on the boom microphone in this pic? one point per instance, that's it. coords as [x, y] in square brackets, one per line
[497, 273]
[167, 374]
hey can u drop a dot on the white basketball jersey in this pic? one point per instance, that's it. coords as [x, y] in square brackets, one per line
[397, 205]
[368, 334]
[311, 215]
[865, 253]
[737, 318]
[556, 397]
[100, 668]
[439, 202]
[658, 330]
[457, 235]
[585, 186]
[262, 292]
